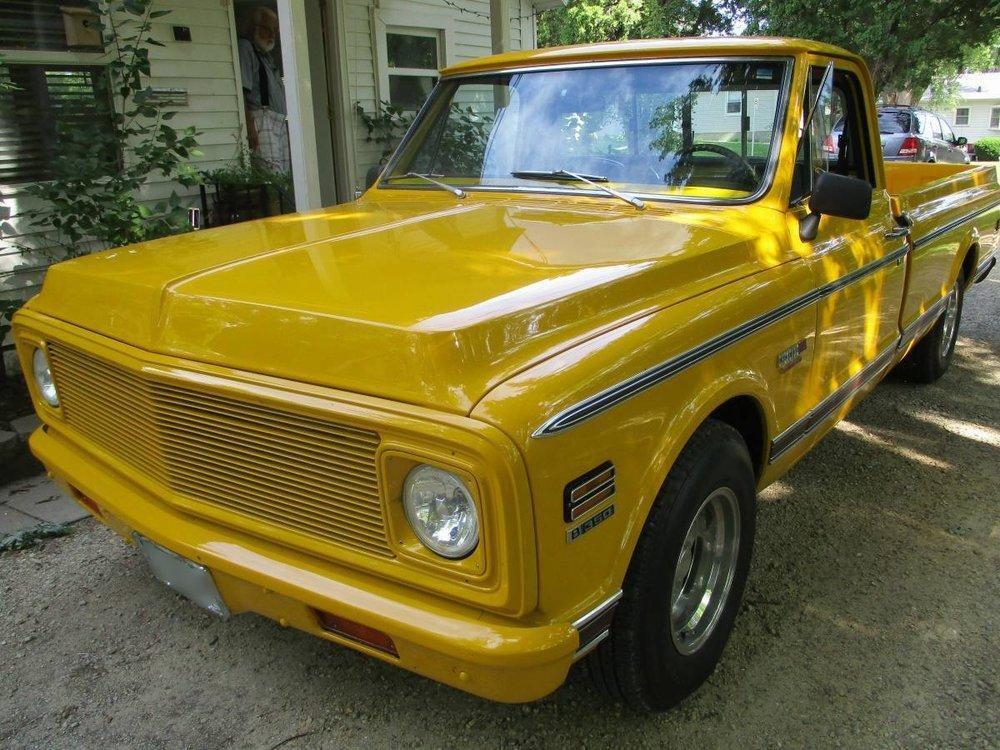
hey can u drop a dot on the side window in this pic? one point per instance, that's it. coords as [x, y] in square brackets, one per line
[936, 126]
[946, 131]
[837, 140]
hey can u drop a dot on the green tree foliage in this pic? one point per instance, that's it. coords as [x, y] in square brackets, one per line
[612, 20]
[944, 88]
[94, 199]
[905, 42]
[461, 141]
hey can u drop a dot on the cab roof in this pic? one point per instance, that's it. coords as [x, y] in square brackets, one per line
[651, 49]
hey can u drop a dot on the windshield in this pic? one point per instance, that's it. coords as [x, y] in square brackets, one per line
[891, 122]
[704, 129]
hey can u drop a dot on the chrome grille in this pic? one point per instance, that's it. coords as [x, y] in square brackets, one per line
[251, 459]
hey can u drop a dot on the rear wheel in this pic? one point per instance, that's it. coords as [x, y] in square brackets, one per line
[686, 578]
[932, 355]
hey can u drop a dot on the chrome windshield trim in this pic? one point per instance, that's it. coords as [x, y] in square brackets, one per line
[767, 179]
[626, 389]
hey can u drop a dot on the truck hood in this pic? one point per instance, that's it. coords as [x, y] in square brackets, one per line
[430, 301]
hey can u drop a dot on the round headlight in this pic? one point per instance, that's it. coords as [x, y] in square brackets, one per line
[441, 512]
[43, 377]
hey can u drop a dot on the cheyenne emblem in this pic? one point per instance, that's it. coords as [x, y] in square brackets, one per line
[791, 356]
[588, 491]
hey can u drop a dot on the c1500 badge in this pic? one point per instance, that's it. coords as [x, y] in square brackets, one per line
[791, 356]
[577, 531]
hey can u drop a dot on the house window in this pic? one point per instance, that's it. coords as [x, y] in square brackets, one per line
[734, 103]
[995, 118]
[49, 25]
[961, 116]
[413, 61]
[38, 107]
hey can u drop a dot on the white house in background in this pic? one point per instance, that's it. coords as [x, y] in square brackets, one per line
[334, 53]
[976, 113]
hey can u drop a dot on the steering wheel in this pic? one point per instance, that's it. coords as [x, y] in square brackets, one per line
[741, 170]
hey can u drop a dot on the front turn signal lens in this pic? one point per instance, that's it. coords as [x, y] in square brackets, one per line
[355, 631]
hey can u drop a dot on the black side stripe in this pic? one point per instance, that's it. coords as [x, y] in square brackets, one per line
[952, 225]
[655, 375]
[825, 408]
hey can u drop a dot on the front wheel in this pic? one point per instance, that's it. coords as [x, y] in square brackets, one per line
[932, 355]
[686, 579]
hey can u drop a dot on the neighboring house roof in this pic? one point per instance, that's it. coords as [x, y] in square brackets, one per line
[977, 86]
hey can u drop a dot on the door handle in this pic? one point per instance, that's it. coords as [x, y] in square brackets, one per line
[897, 232]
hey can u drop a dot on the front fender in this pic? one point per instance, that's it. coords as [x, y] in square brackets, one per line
[643, 434]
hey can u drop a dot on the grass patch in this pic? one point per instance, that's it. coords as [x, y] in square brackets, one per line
[31, 537]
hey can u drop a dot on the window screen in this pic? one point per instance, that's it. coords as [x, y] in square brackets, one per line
[48, 103]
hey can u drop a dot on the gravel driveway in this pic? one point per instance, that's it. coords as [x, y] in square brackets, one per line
[871, 619]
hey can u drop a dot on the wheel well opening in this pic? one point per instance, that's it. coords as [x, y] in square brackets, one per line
[744, 414]
[969, 263]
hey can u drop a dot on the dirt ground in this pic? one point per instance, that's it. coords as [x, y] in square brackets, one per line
[871, 620]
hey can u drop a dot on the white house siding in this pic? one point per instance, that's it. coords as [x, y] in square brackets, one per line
[204, 67]
[979, 119]
[980, 92]
[709, 114]
[467, 35]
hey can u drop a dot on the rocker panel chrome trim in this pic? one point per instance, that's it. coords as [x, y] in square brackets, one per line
[822, 411]
[921, 322]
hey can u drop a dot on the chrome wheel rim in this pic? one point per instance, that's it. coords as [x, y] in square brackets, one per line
[705, 570]
[950, 317]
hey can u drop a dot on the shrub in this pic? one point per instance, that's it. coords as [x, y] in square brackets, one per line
[988, 149]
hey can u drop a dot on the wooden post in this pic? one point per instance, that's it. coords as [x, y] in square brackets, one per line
[298, 93]
[500, 25]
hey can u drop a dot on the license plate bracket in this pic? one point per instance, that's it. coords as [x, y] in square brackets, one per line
[189, 579]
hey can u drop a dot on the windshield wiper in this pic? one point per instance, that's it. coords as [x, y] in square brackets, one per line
[457, 192]
[591, 179]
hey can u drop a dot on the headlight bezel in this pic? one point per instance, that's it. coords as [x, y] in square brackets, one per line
[479, 568]
[469, 537]
[44, 382]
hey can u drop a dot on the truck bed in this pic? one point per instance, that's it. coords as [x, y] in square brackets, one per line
[934, 191]
[949, 205]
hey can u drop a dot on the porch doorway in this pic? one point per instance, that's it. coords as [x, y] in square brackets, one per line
[303, 54]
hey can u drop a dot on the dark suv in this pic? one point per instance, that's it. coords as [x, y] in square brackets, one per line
[911, 134]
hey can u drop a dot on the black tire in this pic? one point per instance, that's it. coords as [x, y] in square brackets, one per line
[640, 664]
[932, 355]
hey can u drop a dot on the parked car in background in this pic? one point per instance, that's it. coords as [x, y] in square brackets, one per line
[911, 134]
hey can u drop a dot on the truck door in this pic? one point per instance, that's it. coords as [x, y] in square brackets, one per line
[859, 265]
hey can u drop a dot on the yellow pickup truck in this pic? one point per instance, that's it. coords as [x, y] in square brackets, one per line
[513, 407]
